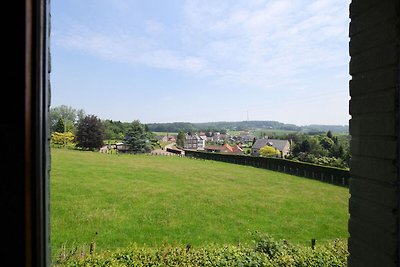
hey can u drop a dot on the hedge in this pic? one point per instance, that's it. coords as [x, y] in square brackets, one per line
[326, 174]
[265, 251]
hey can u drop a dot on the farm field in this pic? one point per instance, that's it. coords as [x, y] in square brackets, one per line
[117, 200]
[165, 133]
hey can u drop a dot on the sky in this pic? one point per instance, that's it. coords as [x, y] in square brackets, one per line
[202, 61]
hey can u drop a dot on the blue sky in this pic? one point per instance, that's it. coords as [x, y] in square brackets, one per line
[202, 61]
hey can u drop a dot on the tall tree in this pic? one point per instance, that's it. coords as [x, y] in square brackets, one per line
[329, 134]
[59, 126]
[80, 115]
[137, 138]
[63, 112]
[326, 142]
[90, 133]
[180, 139]
[305, 146]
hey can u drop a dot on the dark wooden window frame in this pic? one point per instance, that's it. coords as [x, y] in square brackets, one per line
[24, 197]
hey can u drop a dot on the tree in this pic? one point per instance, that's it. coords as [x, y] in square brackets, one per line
[269, 151]
[80, 114]
[326, 143]
[337, 151]
[305, 146]
[329, 134]
[62, 139]
[63, 112]
[180, 139]
[59, 126]
[115, 130]
[137, 138]
[90, 133]
[65, 116]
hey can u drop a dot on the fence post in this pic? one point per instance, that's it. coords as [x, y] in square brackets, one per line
[313, 243]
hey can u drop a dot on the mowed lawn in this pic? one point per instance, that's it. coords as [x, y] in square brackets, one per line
[153, 200]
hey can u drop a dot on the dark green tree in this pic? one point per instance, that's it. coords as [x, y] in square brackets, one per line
[115, 130]
[305, 146]
[337, 151]
[329, 134]
[90, 133]
[59, 126]
[180, 139]
[137, 138]
[326, 142]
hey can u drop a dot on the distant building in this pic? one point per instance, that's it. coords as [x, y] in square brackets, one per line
[166, 138]
[162, 138]
[282, 145]
[195, 142]
[172, 138]
[226, 148]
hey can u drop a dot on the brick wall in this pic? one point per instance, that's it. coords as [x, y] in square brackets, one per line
[374, 127]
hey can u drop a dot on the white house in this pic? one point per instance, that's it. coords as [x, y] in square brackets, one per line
[283, 146]
[195, 142]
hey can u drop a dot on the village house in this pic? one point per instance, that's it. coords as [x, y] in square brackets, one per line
[172, 138]
[283, 146]
[195, 142]
[226, 148]
[162, 138]
[166, 138]
[246, 137]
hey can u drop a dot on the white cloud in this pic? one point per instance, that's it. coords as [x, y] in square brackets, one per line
[268, 41]
[126, 48]
[253, 43]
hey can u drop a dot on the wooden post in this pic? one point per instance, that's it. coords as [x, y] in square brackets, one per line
[82, 255]
[313, 243]
[92, 247]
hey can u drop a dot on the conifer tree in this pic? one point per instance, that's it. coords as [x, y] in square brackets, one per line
[137, 138]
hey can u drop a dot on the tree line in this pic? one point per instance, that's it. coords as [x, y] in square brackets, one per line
[70, 127]
[243, 126]
[322, 149]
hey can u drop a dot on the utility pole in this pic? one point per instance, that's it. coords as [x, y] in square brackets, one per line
[65, 133]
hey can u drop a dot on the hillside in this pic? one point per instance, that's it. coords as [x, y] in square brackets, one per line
[244, 126]
[121, 199]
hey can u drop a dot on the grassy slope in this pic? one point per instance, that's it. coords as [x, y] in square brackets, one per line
[154, 199]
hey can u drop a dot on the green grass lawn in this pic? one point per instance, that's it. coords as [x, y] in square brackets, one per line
[151, 200]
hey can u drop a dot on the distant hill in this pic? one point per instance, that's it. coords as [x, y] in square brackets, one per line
[325, 128]
[243, 126]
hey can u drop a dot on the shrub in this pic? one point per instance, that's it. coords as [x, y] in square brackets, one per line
[266, 252]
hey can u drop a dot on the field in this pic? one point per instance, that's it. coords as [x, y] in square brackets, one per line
[165, 133]
[117, 200]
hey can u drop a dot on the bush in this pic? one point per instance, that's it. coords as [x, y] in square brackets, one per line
[265, 252]
[58, 139]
